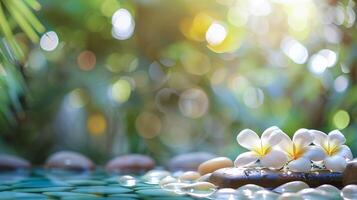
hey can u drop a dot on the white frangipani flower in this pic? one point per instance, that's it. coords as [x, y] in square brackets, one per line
[336, 152]
[299, 151]
[261, 148]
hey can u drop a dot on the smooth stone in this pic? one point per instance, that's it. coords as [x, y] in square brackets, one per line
[174, 187]
[189, 176]
[167, 180]
[40, 183]
[75, 197]
[237, 177]
[204, 178]
[214, 164]
[313, 194]
[265, 195]
[349, 192]
[290, 196]
[65, 194]
[199, 189]
[154, 176]
[102, 190]
[10, 162]
[350, 173]
[131, 163]
[124, 195]
[154, 193]
[21, 195]
[45, 189]
[189, 161]
[4, 187]
[330, 190]
[247, 191]
[69, 160]
[224, 194]
[294, 186]
[85, 182]
[127, 181]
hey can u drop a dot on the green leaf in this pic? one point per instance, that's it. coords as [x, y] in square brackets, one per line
[31, 18]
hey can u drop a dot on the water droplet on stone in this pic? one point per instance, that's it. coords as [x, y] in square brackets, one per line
[248, 190]
[225, 194]
[174, 187]
[313, 194]
[155, 176]
[69, 160]
[131, 163]
[349, 192]
[127, 181]
[167, 180]
[330, 190]
[294, 186]
[265, 195]
[189, 177]
[290, 196]
[199, 189]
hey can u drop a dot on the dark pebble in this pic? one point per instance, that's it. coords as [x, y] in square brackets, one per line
[10, 162]
[131, 163]
[237, 177]
[69, 160]
[350, 173]
[189, 161]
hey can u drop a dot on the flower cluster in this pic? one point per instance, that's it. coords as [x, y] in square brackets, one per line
[275, 149]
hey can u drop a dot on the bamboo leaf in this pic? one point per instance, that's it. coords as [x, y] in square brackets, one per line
[25, 26]
[5, 27]
[33, 4]
[31, 18]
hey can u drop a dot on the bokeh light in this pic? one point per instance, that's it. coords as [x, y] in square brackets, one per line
[123, 24]
[193, 103]
[86, 60]
[341, 119]
[216, 33]
[96, 124]
[148, 125]
[120, 91]
[49, 41]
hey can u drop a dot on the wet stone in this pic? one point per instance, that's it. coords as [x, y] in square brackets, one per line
[102, 190]
[154, 176]
[350, 173]
[214, 164]
[131, 163]
[45, 189]
[10, 162]
[294, 186]
[154, 193]
[225, 193]
[331, 190]
[65, 194]
[313, 194]
[69, 160]
[175, 187]
[127, 181]
[199, 189]
[40, 183]
[189, 161]
[290, 196]
[349, 192]
[167, 179]
[189, 176]
[85, 182]
[21, 195]
[265, 195]
[247, 191]
[237, 177]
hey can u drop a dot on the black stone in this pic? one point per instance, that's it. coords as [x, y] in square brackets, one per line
[350, 173]
[237, 177]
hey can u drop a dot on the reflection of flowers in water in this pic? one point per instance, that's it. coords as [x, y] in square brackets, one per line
[275, 149]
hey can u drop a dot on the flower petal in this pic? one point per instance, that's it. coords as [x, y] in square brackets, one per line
[248, 139]
[245, 159]
[345, 152]
[335, 163]
[286, 145]
[320, 138]
[272, 136]
[300, 165]
[314, 153]
[302, 138]
[274, 159]
[336, 137]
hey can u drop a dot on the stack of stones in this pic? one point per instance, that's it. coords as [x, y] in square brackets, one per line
[70, 175]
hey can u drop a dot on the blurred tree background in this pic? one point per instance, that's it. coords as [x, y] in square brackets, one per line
[108, 77]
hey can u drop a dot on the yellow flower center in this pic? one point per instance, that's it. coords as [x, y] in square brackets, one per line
[331, 148]
[262, 150]
[297, 151]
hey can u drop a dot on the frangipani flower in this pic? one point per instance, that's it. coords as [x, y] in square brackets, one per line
[261, 148]
[336, 152]
[299, 151]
